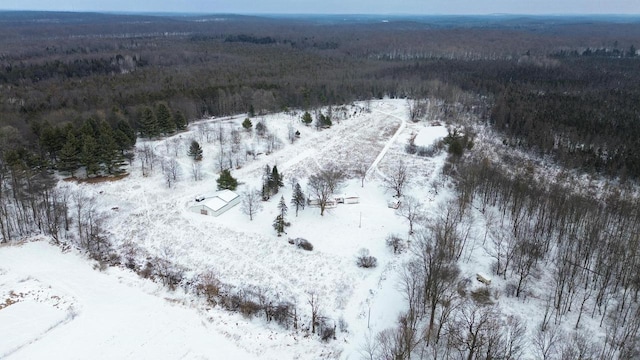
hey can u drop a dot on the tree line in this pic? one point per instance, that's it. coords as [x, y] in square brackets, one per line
[536, 231]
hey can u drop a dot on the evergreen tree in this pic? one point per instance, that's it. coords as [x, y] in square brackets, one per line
[265, 192]
[166, 125]
[226, 181]
[280, 221]
[90, 127]
[195, 151]
[69, 155]
[298, 199]
[180, 121]
[306, 118]
[123, 143]
[252, 111]
[127, 141]
[148, 123]
[89, 156]
[247, 124]
[282, 207]
[52, 140]
[325, 120]
[108, 150]
[261, 128]
[275, 180]
[278, 225]
[266, 183]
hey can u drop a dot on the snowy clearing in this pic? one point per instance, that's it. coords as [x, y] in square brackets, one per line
[57, 301]
[142, 210]
[95, 315]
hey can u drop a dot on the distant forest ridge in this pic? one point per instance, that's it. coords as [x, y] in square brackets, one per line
[562, 86]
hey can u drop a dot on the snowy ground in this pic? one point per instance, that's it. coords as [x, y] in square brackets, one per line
[64, 304]
[65, 308]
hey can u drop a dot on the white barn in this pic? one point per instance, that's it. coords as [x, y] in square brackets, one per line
[215, 205]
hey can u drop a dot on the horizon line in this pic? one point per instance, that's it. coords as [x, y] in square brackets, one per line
[206, 13]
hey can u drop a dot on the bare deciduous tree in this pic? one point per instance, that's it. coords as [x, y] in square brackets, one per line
[411, 209]
[147, 158]
[546, 342]
[397, 178]
[171, 171]
[417, 108]
[437, 269]
[324, 184]
[251, 202]
[314, 303]
[361, 169]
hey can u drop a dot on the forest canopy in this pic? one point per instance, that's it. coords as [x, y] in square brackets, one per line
[549, 86]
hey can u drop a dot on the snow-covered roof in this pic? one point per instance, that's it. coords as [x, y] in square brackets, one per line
[226, 195]
[218, 200]
[215, 203]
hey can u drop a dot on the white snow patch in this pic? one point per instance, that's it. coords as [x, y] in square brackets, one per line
[114, 319]
[427, 136]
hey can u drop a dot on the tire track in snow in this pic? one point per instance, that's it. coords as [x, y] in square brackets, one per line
[383, 152]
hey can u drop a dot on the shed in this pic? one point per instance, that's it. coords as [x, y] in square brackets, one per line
[217, 204]
[348, 199]
[314, 201]
[483, 278]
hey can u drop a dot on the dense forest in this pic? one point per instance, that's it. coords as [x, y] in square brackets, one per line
[563, 88]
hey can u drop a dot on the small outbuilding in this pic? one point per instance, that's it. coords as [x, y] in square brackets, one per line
[315, 202]
[483, 278]
[216, 204]
[348, 199]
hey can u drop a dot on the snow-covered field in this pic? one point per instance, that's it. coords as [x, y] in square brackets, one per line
[64, 309]
[62, 303]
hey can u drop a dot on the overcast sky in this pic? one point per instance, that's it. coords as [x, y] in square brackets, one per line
[337, 6]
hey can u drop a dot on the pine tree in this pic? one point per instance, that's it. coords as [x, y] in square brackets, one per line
[325, 120]
[89, 155]
[127, 141]
[195, 151]
[148, 123]
[122, 141]
[280, 221]
[282, 207]
[275, 180]
[265, 192]
[108, 150]
[180, 121]
[226, 181]
[278, 225]
[298, 199]
[52, 140]
[166, 125]
[306, 118]
[266, 183]
[261, 128]
[90, 127]
[69, 155]
[247, 124]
